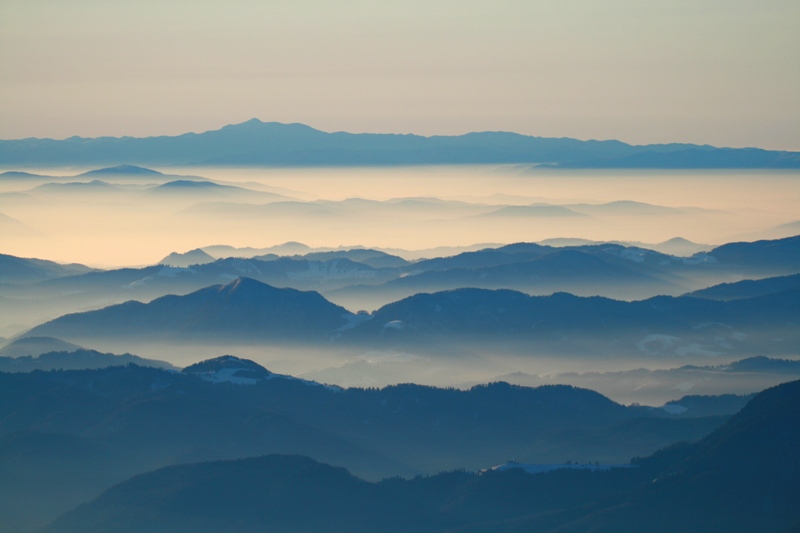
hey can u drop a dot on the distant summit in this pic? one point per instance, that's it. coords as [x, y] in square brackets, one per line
[228, 368]
[189, 184]
[242, 310]
[192, 257]
[122, 170]
[232, 369]
[74, 359]
[17, 174]
[35, 346]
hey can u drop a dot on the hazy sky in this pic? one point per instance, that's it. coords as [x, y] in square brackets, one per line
[722, 72]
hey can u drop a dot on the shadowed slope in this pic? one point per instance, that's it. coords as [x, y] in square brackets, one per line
[242, 309]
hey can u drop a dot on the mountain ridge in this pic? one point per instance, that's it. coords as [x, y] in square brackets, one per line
[275, 144]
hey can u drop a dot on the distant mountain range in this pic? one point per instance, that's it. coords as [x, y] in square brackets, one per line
[19, 270]
[743, 477]
[74, 359]
[274, 144]
[246, 310]
[36, 291]
[106, 172]
[654, 386]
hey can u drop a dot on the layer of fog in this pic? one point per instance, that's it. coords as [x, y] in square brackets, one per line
[647, 380]
[125, 220]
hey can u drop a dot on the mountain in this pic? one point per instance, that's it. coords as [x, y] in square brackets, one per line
[197, 189]
[248, 310]
[743, 477]
[73, 359]
[361, 279]
[369, 257]
[749, 288]
[65, 436]
[18, 270]
[779, 256]
[79, 187]
[623, 208]
[679, 246]
[694, 157]
[289, 248]
[34, 303]
[187, 259]
[244, 309]
[17, 175]
[563, 323]
[230, 369]
[122, 170]
[274, 144]
[567, 270]
[35, 346]
[655, 386]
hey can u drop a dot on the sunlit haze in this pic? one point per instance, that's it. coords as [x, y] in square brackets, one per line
[124, 222]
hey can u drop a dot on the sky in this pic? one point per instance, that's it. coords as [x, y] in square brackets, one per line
[720, 72]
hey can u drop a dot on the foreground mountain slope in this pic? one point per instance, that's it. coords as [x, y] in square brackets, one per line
[120, 421]
[743, 477]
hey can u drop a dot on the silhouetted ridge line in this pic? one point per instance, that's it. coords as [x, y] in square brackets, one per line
[274, 144]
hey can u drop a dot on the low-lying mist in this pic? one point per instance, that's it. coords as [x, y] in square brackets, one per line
[647, 380]
[123, 220]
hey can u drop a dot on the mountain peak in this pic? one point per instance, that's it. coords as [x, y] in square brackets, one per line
[230, 369]
[122, 170]
[255, 124]
[192, 257]
[189, 184]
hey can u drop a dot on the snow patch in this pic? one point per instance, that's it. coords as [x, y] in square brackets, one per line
[228, 375]
[250, 377]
